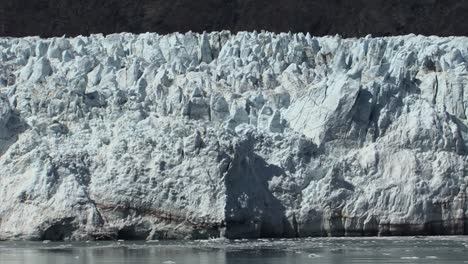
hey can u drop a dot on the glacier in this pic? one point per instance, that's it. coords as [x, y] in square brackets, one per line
[246, 135]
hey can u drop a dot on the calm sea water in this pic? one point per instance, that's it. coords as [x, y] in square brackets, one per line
[314, 250]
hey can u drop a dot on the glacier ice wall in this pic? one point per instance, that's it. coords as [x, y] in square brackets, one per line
[248, 135]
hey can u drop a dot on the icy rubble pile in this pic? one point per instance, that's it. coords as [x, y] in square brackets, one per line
[247, 135]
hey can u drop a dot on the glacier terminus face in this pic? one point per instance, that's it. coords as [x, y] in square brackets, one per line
[247, 135]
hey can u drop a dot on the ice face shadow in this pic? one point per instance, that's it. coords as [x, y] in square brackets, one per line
[252, 210]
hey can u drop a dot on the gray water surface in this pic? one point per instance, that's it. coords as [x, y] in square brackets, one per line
[310, 250]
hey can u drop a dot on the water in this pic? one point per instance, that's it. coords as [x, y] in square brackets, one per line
[285, 251]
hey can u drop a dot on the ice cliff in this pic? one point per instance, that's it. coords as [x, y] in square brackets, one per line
[240, 136]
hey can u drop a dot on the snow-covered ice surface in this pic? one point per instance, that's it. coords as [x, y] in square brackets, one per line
[240, 136]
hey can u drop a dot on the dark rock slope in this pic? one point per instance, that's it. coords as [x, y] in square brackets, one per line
[319, 17]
